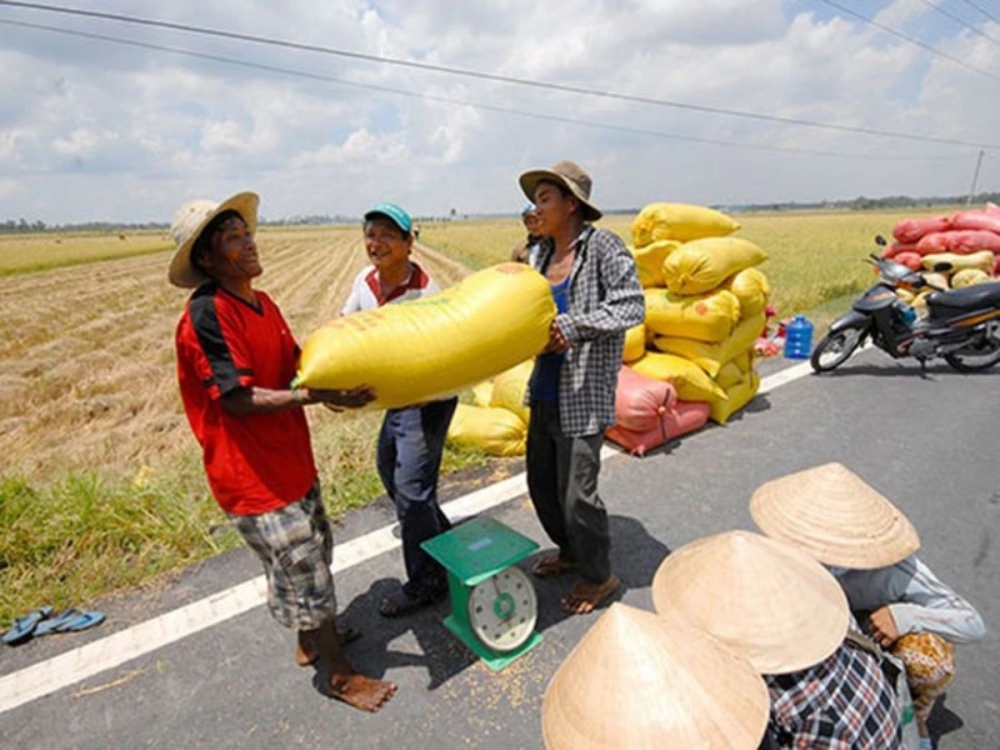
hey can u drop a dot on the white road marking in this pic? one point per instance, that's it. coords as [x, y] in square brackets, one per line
[44, 678]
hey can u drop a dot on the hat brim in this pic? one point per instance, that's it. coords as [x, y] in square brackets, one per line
[835, 516]
[182, 272]
[529, 183]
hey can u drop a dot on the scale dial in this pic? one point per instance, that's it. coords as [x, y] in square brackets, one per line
[503, 609]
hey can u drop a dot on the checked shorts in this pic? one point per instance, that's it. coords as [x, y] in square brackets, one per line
[295, 545]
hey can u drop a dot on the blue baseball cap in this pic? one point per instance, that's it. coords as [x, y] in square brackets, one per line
[396, 214]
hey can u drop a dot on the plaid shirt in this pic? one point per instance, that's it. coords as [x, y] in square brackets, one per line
[842, 703]
[605, 300]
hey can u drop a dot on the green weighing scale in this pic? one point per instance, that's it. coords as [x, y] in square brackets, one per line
[493, 602]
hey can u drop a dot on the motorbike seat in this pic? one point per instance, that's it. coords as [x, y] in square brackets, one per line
[962, 301]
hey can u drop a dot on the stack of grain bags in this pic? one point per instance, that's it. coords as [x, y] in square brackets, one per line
[705, 302]
[496, 422]
[953, 251]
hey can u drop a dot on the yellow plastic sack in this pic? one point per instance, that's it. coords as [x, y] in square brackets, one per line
[711, 357]
[482, 393]
[948, 262]
[491, 429]
[740, 395]
[635, 343]
[679, 221]
[752, 289]
[937, 280]
[689, 380]
[704, 317]
[435, 346]
[649, 261]
[969, 277]
[734, 371]
[701, 265]
[509, 388]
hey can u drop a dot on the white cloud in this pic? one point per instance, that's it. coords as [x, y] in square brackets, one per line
[95, 130]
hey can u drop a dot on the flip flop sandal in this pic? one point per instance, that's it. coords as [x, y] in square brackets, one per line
[24, 627]
[551, 566]
[71, 620]
[401, 604]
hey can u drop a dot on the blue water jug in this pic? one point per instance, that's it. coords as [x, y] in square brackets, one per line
[798, 338]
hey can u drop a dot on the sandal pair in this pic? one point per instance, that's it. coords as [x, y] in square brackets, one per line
[38, 622]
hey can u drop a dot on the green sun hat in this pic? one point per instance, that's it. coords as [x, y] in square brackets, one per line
[396, 214]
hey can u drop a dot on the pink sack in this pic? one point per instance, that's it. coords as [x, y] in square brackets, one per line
[891, 251]
[641, 402]
[913, 261]
[988, 220]
[960, 242]
[684, 417]
[909, 231]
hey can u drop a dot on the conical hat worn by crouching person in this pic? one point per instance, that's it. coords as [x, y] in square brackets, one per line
[835, 516]
[637, 680]
[768, 601]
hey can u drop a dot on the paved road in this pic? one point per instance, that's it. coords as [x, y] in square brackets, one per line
[928, 442]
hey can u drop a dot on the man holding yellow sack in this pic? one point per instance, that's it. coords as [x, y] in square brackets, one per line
[235, 360]
[411, 441]
[572, 388]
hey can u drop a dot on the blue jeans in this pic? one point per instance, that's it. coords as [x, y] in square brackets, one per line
[410, 446]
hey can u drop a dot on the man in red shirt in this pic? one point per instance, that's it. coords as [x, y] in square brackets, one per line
[235, 360]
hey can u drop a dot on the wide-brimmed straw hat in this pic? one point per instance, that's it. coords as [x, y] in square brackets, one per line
[768, 601]
[834, 515]
[570, 176]
[188, 224]
[638, 680]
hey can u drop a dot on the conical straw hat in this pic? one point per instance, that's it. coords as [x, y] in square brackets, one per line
[768, 601]
[833, 514]
[639, 681]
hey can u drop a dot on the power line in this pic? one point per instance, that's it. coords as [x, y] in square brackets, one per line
[910, 39]
[460, 102]
[958, 20]
[492, 77]
[985, 13]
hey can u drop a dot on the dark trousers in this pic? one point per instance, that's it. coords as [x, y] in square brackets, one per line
[410, 446]
[562, 483]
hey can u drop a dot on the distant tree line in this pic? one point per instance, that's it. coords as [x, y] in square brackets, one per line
[861, 203]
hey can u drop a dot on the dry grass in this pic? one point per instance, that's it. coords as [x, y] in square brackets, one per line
[25, 253]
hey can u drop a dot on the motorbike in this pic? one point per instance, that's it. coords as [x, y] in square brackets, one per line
[962, 326]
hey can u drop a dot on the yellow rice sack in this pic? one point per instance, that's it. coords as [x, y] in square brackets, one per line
[704, 317]
[509, 388]
[689, 380]
[635, 343]
[435, 346]
[739, 395]
[701, 265]
[734, 371]
[482, 393]
[969, 277]
[649, 261]
[711, 357]
[679, 221]
[949, 262]
[937, 280]
[491, 429]
[752, 289]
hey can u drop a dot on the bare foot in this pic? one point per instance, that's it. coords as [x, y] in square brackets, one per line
[552, 565]
[360, 692]
[586, 597]
[307, 651]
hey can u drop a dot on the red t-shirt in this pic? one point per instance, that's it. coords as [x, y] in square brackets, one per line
[257, 462]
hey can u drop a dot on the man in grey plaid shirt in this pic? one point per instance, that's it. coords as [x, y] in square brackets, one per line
[572, 388]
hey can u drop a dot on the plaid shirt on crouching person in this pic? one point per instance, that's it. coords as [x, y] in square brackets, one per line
[842, 703]
[605, 300]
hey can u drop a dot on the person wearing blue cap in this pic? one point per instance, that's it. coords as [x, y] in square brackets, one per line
[526, 250]
[411, 441]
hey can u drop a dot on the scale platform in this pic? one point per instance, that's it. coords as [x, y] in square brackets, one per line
[493, 604]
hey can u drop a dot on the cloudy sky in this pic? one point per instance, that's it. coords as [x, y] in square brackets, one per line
[712, 102]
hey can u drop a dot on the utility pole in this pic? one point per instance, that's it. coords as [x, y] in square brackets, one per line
[975, 178]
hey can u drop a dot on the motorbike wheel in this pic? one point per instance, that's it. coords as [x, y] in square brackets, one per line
[834, 349]
[980, 355]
